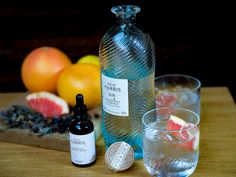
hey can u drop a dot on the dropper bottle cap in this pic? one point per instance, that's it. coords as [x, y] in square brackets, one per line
[80, 109]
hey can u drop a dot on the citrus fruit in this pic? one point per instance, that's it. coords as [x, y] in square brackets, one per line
[187, 133]
[93, 59]
[41, 68]
[175, 123]
[83, 78]
[164, 99]
[48, 104]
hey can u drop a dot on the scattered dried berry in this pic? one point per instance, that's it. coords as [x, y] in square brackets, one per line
[20, 116]
[96, 115]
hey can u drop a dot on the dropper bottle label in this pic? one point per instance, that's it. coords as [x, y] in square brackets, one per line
[82, 148]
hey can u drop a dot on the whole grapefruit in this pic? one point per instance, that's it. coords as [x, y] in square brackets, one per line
[41, 68]
[83, 78]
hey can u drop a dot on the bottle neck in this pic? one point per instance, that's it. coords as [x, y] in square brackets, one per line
[126, 20]
[80, 109]
[126, 13]
[81, 117]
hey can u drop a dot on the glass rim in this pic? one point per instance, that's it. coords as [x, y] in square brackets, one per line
[181, 76]
[164, 130]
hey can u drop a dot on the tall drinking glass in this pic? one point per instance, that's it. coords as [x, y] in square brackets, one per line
[178, 90]
[170, 141]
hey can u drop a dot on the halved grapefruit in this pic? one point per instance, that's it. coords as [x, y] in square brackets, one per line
[48, 104]
[188, 133]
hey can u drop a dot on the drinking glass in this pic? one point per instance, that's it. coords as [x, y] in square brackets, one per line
[170, 141]
[178, 90]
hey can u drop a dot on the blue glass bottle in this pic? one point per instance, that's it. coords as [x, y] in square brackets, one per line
[127, 59]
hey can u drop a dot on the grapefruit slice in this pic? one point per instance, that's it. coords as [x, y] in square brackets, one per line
[48, 104]
[166, 99]
[189, 136]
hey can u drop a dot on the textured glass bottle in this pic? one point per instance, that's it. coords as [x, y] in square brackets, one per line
[127, 60]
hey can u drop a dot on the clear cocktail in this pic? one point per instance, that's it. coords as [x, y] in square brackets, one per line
[177, 90]
[170, 141]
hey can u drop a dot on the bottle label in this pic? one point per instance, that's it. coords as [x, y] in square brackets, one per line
[115, 96]
[82, 148]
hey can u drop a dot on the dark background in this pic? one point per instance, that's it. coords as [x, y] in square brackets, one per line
[194, 39]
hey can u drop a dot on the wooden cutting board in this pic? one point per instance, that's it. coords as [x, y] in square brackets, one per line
[55, 141]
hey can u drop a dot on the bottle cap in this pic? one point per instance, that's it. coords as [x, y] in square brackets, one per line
[119, 156]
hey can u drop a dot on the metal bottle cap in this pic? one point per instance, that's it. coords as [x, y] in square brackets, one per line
[119, 156]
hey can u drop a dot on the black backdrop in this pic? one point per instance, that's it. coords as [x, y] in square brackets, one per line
[194, 39]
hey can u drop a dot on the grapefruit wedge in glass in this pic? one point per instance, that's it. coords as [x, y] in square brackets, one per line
[187, 134]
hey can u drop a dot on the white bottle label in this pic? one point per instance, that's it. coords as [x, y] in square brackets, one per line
[82, 148]
[115, 96]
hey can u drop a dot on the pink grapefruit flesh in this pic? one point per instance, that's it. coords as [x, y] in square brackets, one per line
[48, 104]
[166, 99]
[189, 135]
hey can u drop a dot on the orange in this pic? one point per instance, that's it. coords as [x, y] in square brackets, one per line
[83, 78]
[41, 68]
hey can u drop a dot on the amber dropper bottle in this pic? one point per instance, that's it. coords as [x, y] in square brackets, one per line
[82, 136]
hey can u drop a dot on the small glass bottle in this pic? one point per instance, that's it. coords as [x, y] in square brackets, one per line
[82, 136]
[127, 60]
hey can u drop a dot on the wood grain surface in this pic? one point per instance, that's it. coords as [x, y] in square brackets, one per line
[217, 147]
